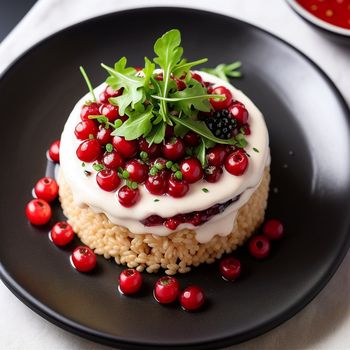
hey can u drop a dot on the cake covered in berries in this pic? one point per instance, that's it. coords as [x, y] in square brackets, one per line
[164, 166]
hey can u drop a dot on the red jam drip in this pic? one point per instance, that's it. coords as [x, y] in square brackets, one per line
[336, 12]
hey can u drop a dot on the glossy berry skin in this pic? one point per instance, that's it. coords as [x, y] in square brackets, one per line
[83, 259]
[103, 135]
[54, 151]
[191, 139]
[172, 223]
[216, 155]
[130, 281]
[113, 93]
[259, 247]
[103, 97]
[230, 268]
[127, 149]
[273, 229]
[108, 180]
[156, 184]
[166, 290]
[137, 170]
[38, 212]
[128, 196]
[153, 151]
[191, 169]
[62, 233]
[47, 189]
[173, 149]
[177, 188]
[197, 77]
[236, 163]
[212, 174]
[221, 104]
[112, 160]
[84, 129]
[192, 298]
[87, 110]
[239, 112]
[89, 150]
[181, 85]
[110, 111]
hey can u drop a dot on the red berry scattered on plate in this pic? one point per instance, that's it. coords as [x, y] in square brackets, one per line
[46, 188]
[230, 268]
[54, 151]
[259, 247]
[192, 298]
[130, 281]
[62, 233]
[273, 229]
[166, 290]
[38, 212]
[89, 150]
[83, 259]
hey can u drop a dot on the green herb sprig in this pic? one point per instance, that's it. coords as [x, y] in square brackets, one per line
[225, 71]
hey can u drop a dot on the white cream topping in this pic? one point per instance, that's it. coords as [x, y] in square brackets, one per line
[86, 191]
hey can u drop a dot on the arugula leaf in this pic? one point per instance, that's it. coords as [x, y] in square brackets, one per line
[122, 77]
[180, 130]
[225, 70]
[183, 67]
[241, 140]
[201, 128]
[148, 72]
[137, 125]
[157, 134]
[199, 151]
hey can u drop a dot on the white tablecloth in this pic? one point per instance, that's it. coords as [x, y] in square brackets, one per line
[325, 322]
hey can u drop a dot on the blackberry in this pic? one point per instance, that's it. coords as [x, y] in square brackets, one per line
[221, 124]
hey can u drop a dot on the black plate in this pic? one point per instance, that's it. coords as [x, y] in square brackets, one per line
[310, 141]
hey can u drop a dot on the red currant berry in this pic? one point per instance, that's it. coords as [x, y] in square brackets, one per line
[177, 188]
[137, 170]
[127, 149]
[156, 184]
[87, 110]
[83, 259]
[172, 224]
[216, 155]
[230, 268]
[273, 229]
[89, 150]
[197, 77]
[173, 149]
[54, 151]
[110, 111]
[113, 93]
[128, 196]
[191, 139]
[236, 163]
[62, 233]
[166, 290]
[46, 189]
[153, 151]
[259, 247]
[212, 173]
[104, 135]
[38, 212]
[181, 85]
[239, 112]
[84, 129]
[108, 180]
[191, 169]
[192, 298]
[130, 281]
[103, 97]
[221, 104]
[112, 160]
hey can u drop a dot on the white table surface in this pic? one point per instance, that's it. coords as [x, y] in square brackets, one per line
[325, 323]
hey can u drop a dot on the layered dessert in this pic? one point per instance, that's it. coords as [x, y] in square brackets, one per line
[164, 166]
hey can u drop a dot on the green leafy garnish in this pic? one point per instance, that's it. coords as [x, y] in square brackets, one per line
[109, 147]
[225, 70]
[205, 190]
[98, 167]
[88, 83]
[255, 150]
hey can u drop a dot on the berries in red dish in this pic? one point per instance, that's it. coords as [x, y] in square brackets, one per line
[212, 173]
[192, 298]
[108, 180]
[104, 135]
[221, 104]
[47, 189]
[191, 139]
[273, 229]
[239, 112]
[83, 259]
[87, 110]
[89, 150]
[137, 170]
[173, 149]
[230, 268]
[177, 188]
[85, 128]
[236, 163]
[128, 196]
[216, 155]
[54, 151]
[166, 290]
[127, 149]
[156, 184]
[130, 281]
[152, 151]
[112, 160]
[110, 111]
[38, 212]
[259, 247]
[62, 233]
[191, 169]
